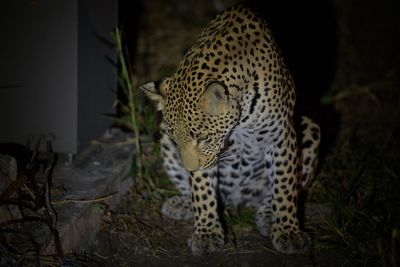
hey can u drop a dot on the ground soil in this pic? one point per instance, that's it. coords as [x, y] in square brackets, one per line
[138, 235]
[358, 95]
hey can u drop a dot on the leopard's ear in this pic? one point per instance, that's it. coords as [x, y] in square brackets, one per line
[156, 91]
[215, 99]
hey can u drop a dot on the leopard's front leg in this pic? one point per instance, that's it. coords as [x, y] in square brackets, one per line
[208, 234]
[285, 233]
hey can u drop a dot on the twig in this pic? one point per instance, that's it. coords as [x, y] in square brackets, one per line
[69, 200]
[271, 250]
[161, 250]
[100, 256]
[5, 254]
[129, 141]
[30, 193]
[51, 212]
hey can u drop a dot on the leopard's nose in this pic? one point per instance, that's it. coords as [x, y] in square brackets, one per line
[190, 159]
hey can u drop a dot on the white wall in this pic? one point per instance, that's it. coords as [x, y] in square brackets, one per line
[39, 65]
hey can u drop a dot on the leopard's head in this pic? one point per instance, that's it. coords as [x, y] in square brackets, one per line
[198, 117]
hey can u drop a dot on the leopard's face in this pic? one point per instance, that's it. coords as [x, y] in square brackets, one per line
[197, 120]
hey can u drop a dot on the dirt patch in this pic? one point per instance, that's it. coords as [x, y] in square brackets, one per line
[138, 234]
[358, 175]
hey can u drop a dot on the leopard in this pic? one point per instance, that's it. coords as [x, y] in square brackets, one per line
[231, 137]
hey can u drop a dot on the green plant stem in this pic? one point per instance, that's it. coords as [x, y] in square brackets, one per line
[131, 101]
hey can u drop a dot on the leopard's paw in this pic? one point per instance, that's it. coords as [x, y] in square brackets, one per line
[264, 222]
[206, 242]
[290, 241]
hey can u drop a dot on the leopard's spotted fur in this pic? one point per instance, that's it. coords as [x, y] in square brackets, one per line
[228, 123]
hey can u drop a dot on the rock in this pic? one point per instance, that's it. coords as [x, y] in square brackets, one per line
[8, 171]
[8, 175]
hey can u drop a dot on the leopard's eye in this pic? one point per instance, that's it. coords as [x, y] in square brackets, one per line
[169, 131]
[203, 139]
